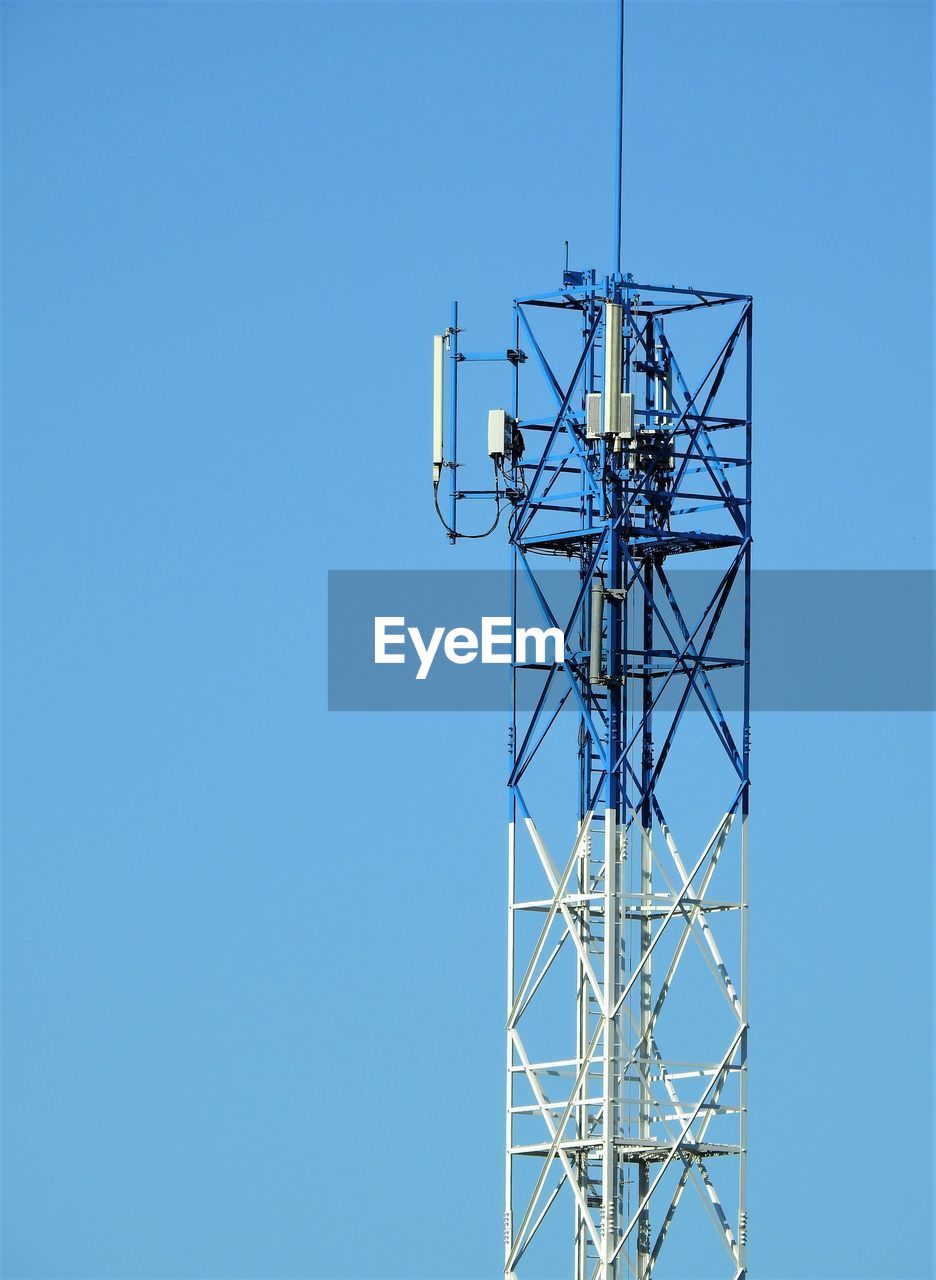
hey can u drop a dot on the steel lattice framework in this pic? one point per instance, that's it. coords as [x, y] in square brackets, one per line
[619, 1099]
[627, 1023]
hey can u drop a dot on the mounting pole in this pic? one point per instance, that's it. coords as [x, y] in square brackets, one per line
[619, 157]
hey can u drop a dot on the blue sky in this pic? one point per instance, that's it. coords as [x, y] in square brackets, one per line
[228, 232]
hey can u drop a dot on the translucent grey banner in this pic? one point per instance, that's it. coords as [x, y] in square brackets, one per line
[821, 640]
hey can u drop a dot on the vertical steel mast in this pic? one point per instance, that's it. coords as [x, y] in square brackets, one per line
[625, 462]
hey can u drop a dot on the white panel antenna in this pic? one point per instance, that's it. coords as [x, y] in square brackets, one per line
[614, 317]
[438, 389]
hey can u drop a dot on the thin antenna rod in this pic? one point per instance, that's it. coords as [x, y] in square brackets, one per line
[619, 158]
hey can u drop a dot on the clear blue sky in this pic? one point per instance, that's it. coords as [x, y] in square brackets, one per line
[228, 232]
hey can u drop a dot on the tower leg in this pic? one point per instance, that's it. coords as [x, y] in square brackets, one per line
[609, 1092]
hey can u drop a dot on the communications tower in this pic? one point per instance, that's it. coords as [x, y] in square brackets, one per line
[624, 460]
